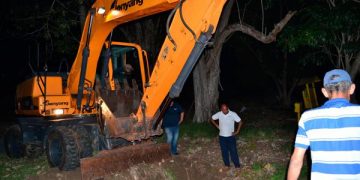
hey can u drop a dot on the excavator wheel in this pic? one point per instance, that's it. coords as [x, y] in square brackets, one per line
[13, 143]
[61, 148]
[84, 141]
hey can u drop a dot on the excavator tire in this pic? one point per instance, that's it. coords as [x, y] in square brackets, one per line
[84, 141]
[61, 148]
[13, 143]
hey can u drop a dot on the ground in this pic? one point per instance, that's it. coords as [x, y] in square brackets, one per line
[264, 144]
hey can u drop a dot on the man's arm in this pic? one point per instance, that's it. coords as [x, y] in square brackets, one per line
[214, 123]
[213, 118]
[238, 128]
[296, 163]
[181, 117]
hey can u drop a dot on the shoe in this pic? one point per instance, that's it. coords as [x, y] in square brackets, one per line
[175, 154]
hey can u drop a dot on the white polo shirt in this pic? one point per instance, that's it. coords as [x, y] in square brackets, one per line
[226, 122]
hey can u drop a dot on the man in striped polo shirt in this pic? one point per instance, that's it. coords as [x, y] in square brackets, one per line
[332, 132]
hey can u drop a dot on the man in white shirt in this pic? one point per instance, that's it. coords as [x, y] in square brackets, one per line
[227, 139]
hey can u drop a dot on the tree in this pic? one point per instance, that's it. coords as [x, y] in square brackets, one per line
[55, 25]
[283, 72]
[206, 74]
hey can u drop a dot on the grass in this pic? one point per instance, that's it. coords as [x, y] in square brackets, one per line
[249, 130]
[198, 130]
[252, 133]
[256, 167]
[21, 168]
[287, 147]
[281, 171]
[169, 174]
[193, 131]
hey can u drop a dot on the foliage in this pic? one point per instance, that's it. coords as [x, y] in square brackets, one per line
[21, 168]
[283, 68]
[318, 24]
[52, 24]
[327, 32]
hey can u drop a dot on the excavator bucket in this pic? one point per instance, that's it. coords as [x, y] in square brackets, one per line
[111, 161]
[116, 105]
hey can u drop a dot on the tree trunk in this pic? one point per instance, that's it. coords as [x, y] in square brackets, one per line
[206, 74]
[285, 94]
[206, 81]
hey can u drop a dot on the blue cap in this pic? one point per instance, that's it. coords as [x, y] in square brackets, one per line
[336, 76]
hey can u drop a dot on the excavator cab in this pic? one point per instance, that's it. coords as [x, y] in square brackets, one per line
[124, 66]
[123, 75]
[122, 79]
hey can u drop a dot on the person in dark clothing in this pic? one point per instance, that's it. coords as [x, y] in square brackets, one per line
[174, 116]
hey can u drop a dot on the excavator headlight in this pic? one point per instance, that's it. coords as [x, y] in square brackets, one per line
[101, 10]
[58, 111]
[115, 12]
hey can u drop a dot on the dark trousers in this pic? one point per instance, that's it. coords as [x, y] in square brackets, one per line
[228, 145]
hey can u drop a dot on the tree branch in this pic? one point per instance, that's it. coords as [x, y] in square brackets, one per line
[251, 31]
[331, 3]
[66, 8]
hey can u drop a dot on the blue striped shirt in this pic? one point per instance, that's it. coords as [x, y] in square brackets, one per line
[332, 132]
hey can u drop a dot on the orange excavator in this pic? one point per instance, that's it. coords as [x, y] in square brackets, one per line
[109, 99]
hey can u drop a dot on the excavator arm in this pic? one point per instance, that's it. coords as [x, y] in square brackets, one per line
[192, 24]
[96, 29]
